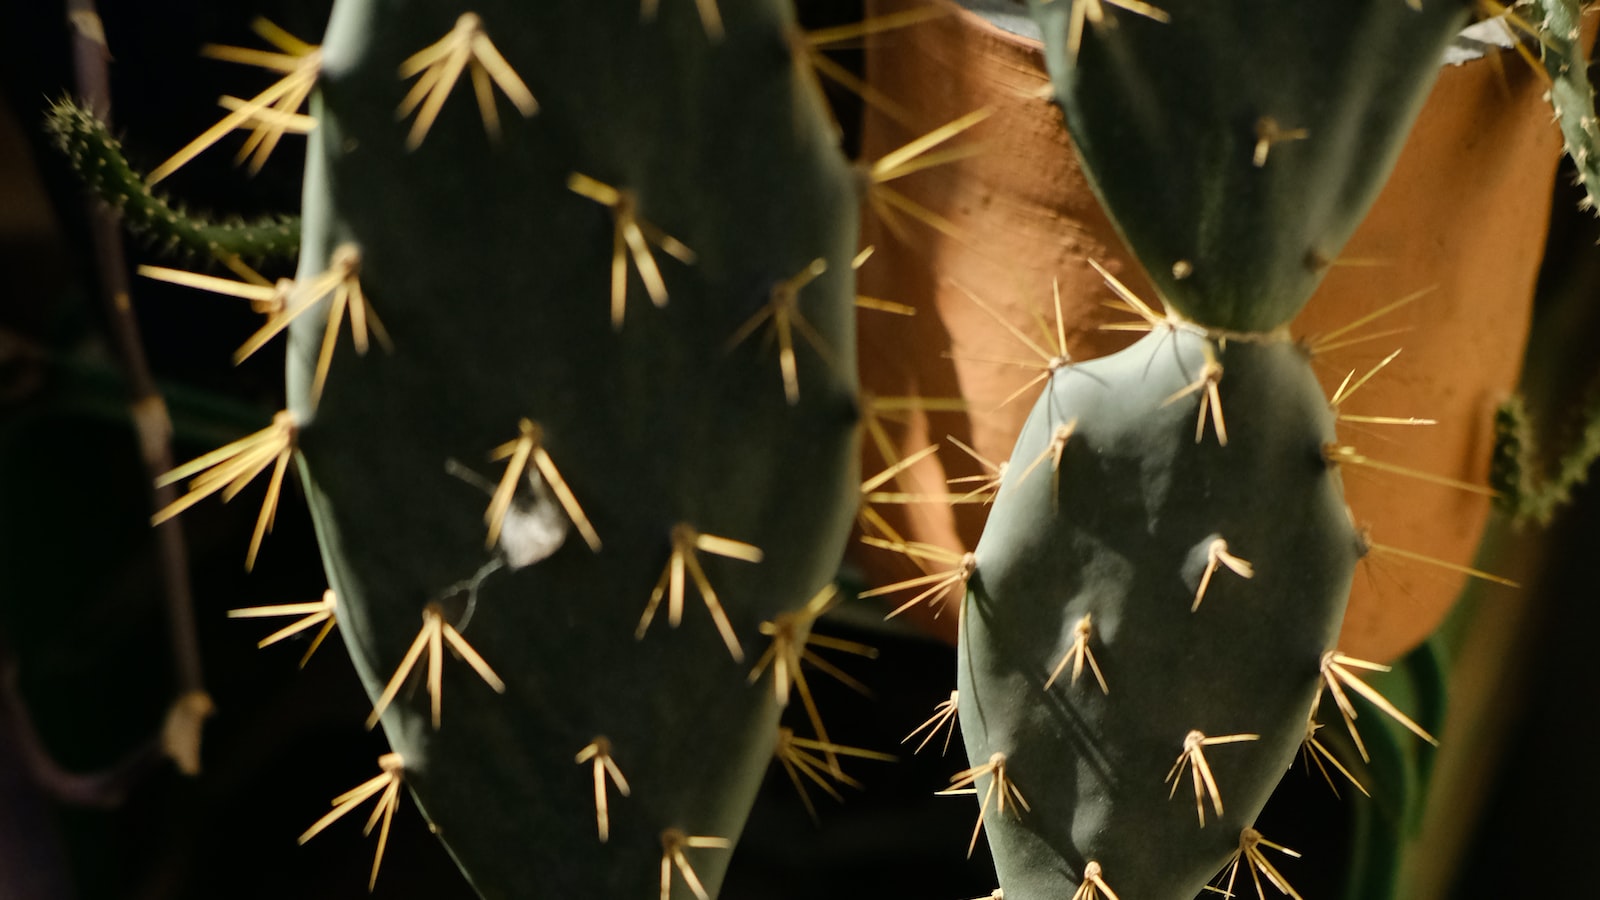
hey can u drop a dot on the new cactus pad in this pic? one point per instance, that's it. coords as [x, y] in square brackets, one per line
[641, 293]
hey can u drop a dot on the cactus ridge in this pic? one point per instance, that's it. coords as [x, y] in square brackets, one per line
[1207, 617]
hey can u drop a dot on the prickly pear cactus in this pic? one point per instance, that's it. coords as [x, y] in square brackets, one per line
[1172, 522]
[590, 282]
[1237, 145]
[1194, 612]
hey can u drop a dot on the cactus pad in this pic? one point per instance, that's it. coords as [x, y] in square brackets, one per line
[1237, 144]
[577, 290]
[1202, 582]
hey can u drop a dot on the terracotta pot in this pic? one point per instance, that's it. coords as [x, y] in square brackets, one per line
[1465, 214]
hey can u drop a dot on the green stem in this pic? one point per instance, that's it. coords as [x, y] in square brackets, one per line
[98, 159]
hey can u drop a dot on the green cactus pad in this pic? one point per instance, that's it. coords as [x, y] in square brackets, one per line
[1122, 533]
[1168, 116]
[494, 279]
